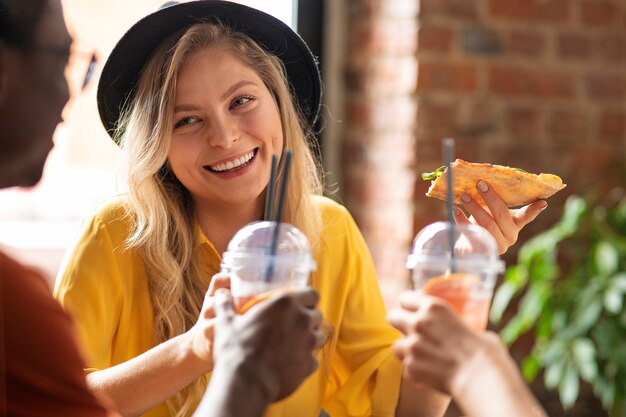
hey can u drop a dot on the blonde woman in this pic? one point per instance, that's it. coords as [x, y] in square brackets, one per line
[199, 96]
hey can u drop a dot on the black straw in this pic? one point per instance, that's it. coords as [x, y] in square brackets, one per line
[269, 195]
[279, 214]
[448, 152]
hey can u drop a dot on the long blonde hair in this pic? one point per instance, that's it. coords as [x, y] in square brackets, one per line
[164, 214]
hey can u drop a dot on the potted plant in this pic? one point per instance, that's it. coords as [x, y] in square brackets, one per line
[572, 283]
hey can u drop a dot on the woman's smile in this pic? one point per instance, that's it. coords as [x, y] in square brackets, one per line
[233, 166]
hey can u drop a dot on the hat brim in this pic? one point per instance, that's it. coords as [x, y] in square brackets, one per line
[121, 72]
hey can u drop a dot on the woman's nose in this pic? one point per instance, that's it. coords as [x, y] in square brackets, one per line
[223, 133]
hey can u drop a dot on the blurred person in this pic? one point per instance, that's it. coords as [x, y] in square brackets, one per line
[199, 96]
[41, 364]
[441, 351]
[42, 370]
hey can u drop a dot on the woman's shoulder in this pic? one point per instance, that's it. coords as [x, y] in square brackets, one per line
[113, 214]
[336, 219]
[329, 208]
[112, 209]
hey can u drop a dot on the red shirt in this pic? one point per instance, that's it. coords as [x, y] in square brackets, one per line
[41, 364]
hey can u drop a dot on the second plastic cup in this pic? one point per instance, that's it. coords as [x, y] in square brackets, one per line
[465, 280]
[256, 274]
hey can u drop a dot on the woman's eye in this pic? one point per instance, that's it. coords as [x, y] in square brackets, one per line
[240, 101]
[185, 121]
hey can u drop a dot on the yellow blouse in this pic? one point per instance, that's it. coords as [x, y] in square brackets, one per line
[105, 287]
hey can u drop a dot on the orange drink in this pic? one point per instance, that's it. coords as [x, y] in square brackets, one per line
[463, 293]
[245, 303]
[264, 259]
[459, 264]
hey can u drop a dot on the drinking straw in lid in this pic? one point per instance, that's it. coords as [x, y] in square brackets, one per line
[269, 196]
[279, 214]
[448, 153]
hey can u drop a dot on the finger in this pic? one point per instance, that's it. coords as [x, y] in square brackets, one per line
[402, 320]
[223, 305]
[528, 213]
[459, 216]
[480, 215]
[319, 338]
[411, 300]
[219, 280]
[499, 211]
[308, 297]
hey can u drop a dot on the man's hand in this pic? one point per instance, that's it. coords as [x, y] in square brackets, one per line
[273, 344]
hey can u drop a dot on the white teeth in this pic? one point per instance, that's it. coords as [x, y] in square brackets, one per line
[232, 164]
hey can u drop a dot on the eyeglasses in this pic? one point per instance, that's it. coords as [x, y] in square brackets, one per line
[77, 73]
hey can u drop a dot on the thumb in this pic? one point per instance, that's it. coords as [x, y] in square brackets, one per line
[224, 305]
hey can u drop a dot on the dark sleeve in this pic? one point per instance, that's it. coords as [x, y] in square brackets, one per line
[43, 366]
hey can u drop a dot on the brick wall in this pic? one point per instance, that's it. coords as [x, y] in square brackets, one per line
[378, 155]
[536, 84]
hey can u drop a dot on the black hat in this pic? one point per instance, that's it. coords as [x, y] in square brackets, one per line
[121, 72]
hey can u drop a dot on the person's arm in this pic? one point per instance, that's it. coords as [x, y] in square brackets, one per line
[503, 224]
[147, 380]
[419, 400]
[263, 355]
[440, 351]
[101, 286]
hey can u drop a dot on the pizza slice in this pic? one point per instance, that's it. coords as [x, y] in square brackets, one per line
[515, 186]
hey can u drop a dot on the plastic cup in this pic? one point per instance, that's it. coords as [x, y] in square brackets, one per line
[255, 273]
[466, 281]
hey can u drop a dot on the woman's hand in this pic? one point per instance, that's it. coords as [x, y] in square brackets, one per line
[502, 223]
[201, 334]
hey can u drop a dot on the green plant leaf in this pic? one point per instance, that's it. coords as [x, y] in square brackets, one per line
[514, 279]
[586, 318]
[568, 387]
[606, 258]
[514, 329]
[584, 353]
[574, 209]
[554, 374]
[530, 367]
[613, 300]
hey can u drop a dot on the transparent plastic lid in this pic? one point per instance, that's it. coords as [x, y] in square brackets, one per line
[474, 247]
[253, 243]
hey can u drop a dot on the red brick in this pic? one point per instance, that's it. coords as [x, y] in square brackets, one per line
[435, 117]
[376, 149]
[383, 36]
[612, 47]
[390, 262]
[441, 76]
[391, 224]
[613, 124]
[393, 113]
[371, 186]
[384, 75]
[598, 12]
[449, 8]
[522, 122]
[513, 81]
[434, 38]
[556, 11]
[575, 46]
[526, 43]
[568, 125]
[381, 8]
[600, 86]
